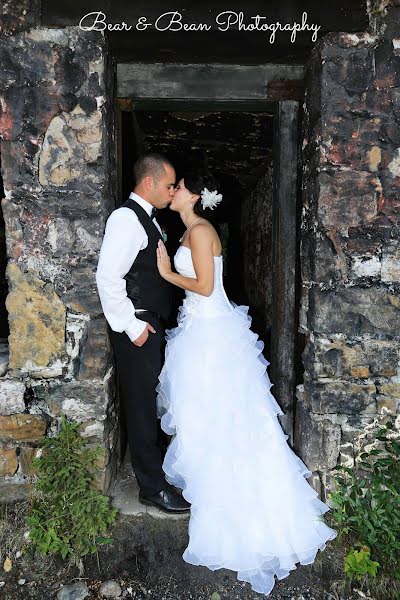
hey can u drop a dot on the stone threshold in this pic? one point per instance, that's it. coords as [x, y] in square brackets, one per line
[124, 493]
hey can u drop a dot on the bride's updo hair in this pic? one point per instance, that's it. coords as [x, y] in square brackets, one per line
[195, 182]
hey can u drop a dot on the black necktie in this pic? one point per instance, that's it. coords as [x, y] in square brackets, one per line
[153, 212]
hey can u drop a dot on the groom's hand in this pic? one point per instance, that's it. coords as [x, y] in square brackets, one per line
[142, 339]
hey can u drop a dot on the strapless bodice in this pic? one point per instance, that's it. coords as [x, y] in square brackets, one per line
[196, 304]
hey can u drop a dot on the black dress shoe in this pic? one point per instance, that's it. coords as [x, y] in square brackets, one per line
[167, 500]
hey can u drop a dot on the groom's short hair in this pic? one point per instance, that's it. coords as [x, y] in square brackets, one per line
[150, 164]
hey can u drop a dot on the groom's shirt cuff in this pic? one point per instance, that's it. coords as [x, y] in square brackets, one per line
[135, 329]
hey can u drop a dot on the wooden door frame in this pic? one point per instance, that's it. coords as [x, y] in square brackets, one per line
[275, 89]
[284, 248]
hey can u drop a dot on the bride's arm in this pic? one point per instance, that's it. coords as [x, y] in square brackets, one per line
[203, 262]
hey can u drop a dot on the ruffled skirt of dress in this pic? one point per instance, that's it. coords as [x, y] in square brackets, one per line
[252, 510]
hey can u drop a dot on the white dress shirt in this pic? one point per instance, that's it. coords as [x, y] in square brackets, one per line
[124, 237]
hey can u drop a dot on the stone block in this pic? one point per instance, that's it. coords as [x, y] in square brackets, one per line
[360, 372]
[364, 268]
[14, 492]
[26, 456]
[337, 357]
[56, 370]
[391, 262]
[93, 430]
[11, 397]
[8, 461]
[75, 331]
[367, 240]
[395, 93]
[60, 236]
[374, 158]
[37, 320]
[383, 357]
[17, 16]
[328, 259]
[347, 199]
[350, 68]
[388, 405]
[386, 66]
[72, 141]
[390, 389]
[354, 311]
[79, 290]
[4, 355]
[346, 456]
[81, 401]
[317, 442]
[343, 397]
[355, 429]
[14, 232]
[394, 165]
[103, 458]
[88, 238]
[11, 120]
[95, 357]
[329, 361]
[352, 141]
[22, 427]
[315, 482]
[390, 207]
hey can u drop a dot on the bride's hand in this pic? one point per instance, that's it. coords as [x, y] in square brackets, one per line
[163, 260]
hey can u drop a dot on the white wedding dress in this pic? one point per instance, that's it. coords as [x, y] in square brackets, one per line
[252, 509]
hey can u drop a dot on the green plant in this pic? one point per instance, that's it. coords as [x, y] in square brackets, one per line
[68, 514]
[357, 563]
[366, 502]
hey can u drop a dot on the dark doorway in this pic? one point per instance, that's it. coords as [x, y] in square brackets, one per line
[218, 116]
[236, 146]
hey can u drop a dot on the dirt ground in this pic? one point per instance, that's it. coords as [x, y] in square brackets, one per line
[145, 558]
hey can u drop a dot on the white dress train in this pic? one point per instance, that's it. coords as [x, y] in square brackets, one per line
[252, 510]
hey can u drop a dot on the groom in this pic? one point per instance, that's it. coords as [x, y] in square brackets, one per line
[135, 301]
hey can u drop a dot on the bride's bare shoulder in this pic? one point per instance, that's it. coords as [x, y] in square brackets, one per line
[203, 233]
[203, 230]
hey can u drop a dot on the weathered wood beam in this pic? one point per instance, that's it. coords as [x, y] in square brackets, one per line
[284, 259]
[208, 82]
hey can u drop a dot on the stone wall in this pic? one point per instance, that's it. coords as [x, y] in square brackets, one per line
[56, 129]
[350, 244]
[256, 234]
[57, 165]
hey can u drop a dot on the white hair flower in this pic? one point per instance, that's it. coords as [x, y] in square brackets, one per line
[210, 199]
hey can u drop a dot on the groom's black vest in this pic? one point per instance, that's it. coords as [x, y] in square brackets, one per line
[144, 284]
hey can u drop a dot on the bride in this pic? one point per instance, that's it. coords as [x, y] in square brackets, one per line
[252, 510]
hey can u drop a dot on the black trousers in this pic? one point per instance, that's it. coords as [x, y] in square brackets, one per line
[137, 373]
